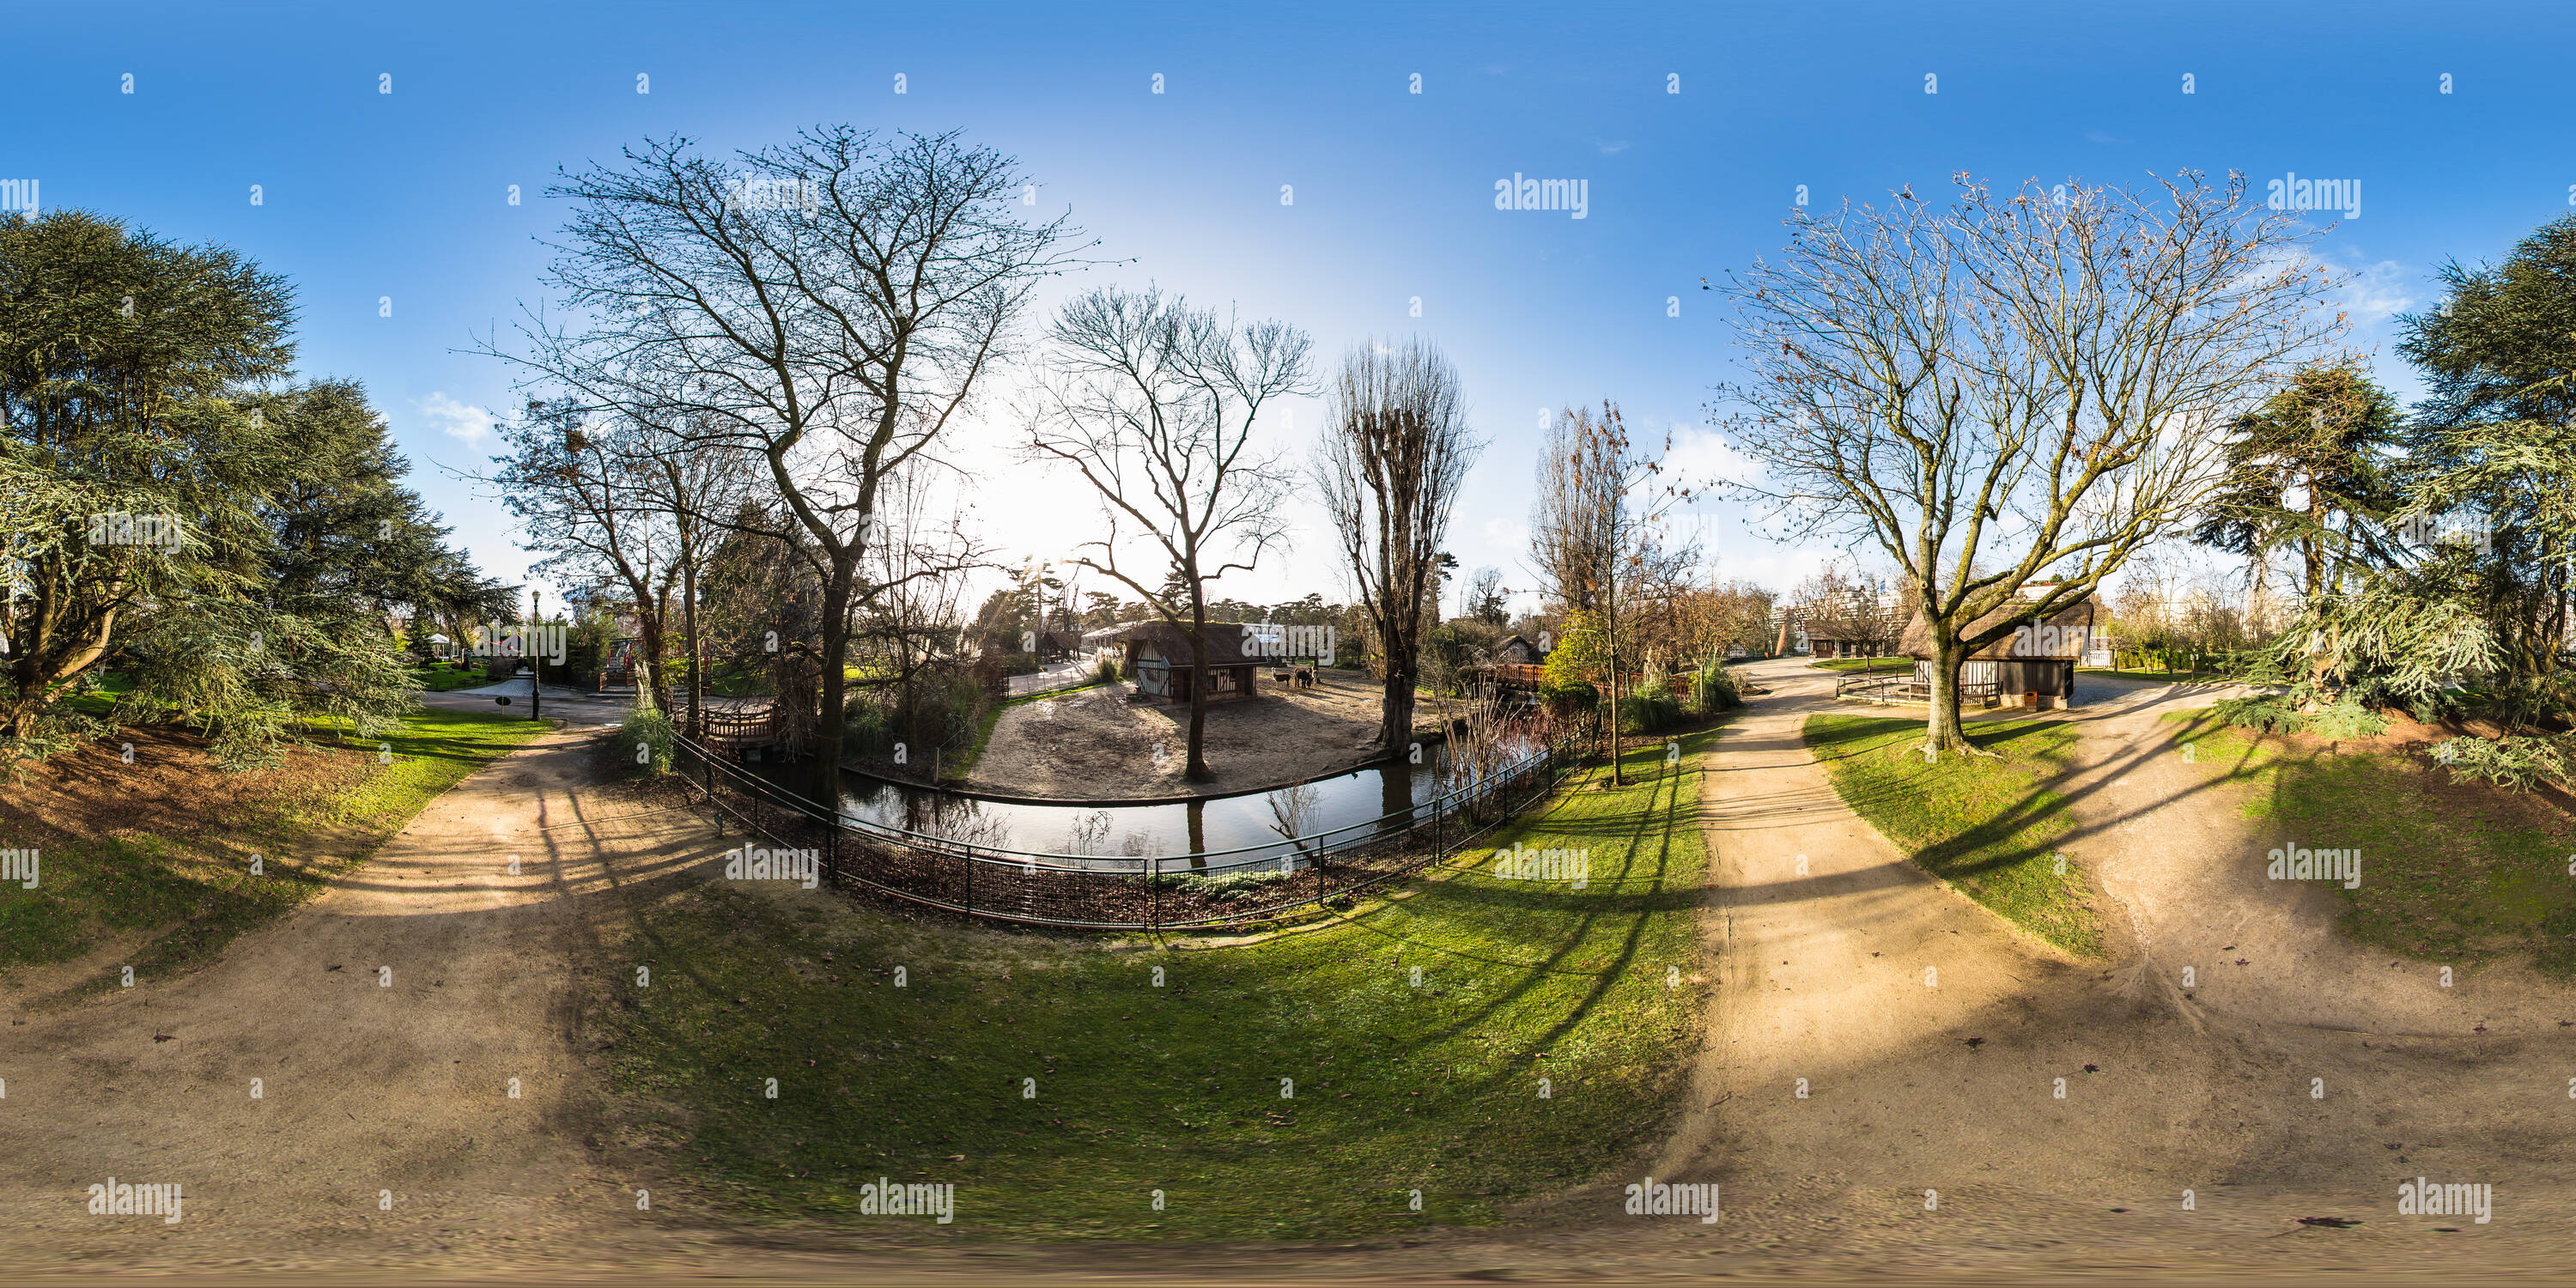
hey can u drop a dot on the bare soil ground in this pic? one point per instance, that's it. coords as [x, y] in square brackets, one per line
[1096, 744]
[1868, 980]
[169, 789]
[1822, 978]
[371, 1084]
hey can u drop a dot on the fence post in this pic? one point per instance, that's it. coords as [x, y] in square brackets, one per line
[1153, 893]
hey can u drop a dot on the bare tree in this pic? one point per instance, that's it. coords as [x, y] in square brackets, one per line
[702, 491]
[1845, 601]
[1154, 404]
[2046, 375]
[1395, 451]
[1487, 599]
[579, 485]
[826, 306]
[1567, 523]
[1599, 532]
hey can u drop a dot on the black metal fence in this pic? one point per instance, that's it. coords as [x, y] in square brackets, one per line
[1076, 891]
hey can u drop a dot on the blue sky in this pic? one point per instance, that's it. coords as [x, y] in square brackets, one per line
[367, 195]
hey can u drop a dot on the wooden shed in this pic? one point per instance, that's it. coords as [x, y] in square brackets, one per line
[2032, 666]
[1158, 660]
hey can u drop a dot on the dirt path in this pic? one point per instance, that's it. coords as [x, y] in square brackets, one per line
[369, 1082]
[1820, 976]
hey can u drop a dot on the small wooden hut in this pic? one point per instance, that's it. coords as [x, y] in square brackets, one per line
[2033, 666]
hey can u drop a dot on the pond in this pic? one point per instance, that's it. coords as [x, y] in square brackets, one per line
[1261, 829]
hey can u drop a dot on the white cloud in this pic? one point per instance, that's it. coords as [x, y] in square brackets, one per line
[2375, 293]
[1703, 456]
[462, 421]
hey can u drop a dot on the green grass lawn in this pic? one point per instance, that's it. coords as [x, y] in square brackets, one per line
[97, 701]
[1988, 826]
[2458, 872]
[1863, 664]
[441, 679]
[1296, 1087]
[188, 894]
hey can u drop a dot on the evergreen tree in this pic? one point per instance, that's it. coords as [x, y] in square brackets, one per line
[2496, 442]
[2307, 472]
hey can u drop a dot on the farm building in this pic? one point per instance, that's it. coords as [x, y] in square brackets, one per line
[1156, 655]
[2033, 666]
[1849, 625]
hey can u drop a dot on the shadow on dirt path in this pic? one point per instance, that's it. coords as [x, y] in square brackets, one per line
[1821, 977]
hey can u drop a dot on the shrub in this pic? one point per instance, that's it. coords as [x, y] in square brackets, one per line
[586, 649]
[1651, 708]
[1227, 888]
[1106, 672]
[642, 745]
[2516, 763]
[2346, 720]
[1570, 697]
[864, 731]
[2269, 715]
[1719, 690]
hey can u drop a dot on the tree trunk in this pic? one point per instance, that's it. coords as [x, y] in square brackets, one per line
[1942, 731]
[1395, 708]
[1610, 644]
[657, 645]
[834, 686]
[697, 659]
[1196, 769]
[649, 684]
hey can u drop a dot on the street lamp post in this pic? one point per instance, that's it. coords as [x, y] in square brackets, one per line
[536, 659]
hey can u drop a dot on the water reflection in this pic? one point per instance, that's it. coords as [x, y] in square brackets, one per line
[1276, 829]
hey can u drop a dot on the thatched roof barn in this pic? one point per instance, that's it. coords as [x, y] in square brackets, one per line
[2033, 666]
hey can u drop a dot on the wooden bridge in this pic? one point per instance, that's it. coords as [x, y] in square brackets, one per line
[735, 730]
